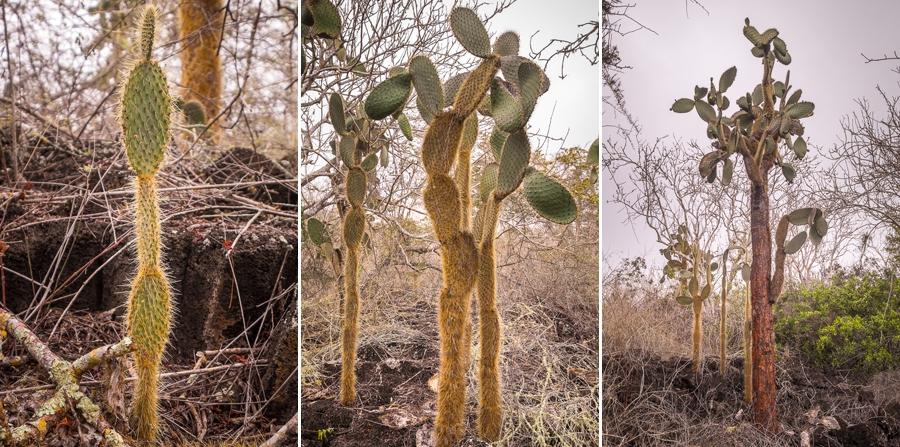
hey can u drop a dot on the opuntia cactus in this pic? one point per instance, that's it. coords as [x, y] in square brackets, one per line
[201, 67]
[145, 110]
[467, 245]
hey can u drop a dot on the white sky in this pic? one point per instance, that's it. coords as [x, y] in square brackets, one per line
[825, 40]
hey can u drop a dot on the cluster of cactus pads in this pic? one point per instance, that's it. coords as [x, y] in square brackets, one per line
[145, 111]
[467, 243]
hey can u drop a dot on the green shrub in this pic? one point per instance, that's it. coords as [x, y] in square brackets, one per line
[852, 323]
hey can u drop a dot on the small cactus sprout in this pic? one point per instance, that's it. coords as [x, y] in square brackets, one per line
[145, 114]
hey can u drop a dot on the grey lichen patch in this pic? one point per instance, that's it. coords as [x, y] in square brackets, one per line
[88, 409]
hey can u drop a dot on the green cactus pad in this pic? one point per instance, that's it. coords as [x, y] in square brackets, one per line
[150, 311]
[442, 203]
[348, 150]
[530, 77]
[509, 66]
[769, 35]
[779, 45]
[148, 30]
[403, 122]
[356, 186]
[800, 110]
[369, 163]
[727, 79]
[727, 171]
[326, 18]
[800, 147]
[476, 85]
[488, 180]
[706, 111]
[383, 158]
[684, 300]
[423, 112]
[469, 133]
[821, 226]
[441, 143]
[470, 32]
[507, 44]
[498, 139]
[794, 97]
[354, 227]
[451, 87]
[788, 172]
[427, 83]
[594, 153]
[513, 162]
[756, 96]
[753, 36]
[145, 117]
[506, 108]
[799, 216]
[683, 105]
[388, 96]
[550, 199]
[316, 231]
[793, 246]
[336, 112]
[194, 113]
[708, 163]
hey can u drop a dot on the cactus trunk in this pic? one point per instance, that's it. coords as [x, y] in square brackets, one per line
[748, 350]
[696, 334]
[201, 24]
[723, 334]
[350, 330]
[490, 413]
[764, 411]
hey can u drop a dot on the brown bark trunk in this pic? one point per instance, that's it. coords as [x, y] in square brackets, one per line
[760, 276]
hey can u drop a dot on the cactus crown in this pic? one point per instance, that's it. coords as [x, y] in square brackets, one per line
[147, 25]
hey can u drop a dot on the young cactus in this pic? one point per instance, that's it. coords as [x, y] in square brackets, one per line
[145, 110]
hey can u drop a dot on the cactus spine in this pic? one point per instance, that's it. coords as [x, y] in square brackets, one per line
[201, 24]
[145, 110]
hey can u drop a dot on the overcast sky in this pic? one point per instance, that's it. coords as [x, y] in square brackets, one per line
[688, 46]
[576, 97]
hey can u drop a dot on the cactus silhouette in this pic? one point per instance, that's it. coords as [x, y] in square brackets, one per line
[763, 135]
[467, 251]
[201, 24]
[145, 110]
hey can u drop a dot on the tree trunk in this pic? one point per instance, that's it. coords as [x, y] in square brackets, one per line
[748, 350]
[763, 335]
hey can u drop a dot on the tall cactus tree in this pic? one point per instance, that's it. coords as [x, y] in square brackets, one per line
[145, 114]
[763, 132]
[200, 31]
[468, 243]
[723, 333]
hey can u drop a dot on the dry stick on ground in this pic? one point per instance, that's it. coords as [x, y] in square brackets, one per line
[290, 428]
[65, 375]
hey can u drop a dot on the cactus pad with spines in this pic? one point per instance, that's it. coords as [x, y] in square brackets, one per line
[326, 18]
[369, 163]
[488, 180]
[356, 186]
[194, 114]
[470, 32]
[427, 83]
[550, 199]
[476, 85]
[530, 78]
[354, 226]
[451, 87]
[505, 108]
[507, 44]
[348, 150]
[148, 31]
[513, 162]
[443, 205]
[336, 113]
[389, 96]
[498, 139]
[145, 117]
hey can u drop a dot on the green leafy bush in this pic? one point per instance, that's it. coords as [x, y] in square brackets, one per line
[851, 323]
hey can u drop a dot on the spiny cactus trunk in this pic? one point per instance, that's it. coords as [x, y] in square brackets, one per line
[696, 334]
[200, 30]
[350, 330]
[490, 413]
[763, 350]
[748, 350]
[722, 331]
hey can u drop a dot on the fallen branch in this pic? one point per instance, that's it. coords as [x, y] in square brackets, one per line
[288, 429]
[64, 375]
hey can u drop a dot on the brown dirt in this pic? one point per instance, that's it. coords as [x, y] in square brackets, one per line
[650, 401]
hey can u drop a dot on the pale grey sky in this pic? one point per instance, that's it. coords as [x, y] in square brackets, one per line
[824, 38]
[576, 96]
